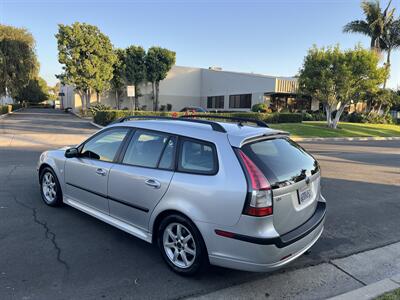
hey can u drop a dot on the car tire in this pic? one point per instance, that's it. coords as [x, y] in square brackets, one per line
[50, 188]
[181, 245]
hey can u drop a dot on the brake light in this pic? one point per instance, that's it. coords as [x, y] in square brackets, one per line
[260, 202]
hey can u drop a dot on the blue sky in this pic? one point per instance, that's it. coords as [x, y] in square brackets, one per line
[269, 37]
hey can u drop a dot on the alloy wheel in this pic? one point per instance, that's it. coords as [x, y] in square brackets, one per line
[49, 187]
[179, 245]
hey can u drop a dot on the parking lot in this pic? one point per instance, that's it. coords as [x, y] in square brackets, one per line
[62, 253]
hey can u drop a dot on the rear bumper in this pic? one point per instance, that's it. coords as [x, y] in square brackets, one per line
[267, 251]
[293, 236]
[280, 257]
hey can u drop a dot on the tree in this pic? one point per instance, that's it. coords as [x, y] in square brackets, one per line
[18, 62]
[336, 77]
[391, 40]
[118, 82]
[396, 100]
[375, 23]
[54, 91]
[35, 91]
[87, 57]
[158, 63]
[135, 69]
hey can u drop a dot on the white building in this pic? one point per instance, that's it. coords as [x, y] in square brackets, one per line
[210, 88]
[4, 100]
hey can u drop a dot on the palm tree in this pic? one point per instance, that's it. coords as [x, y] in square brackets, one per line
[391, 39]
[375, 23]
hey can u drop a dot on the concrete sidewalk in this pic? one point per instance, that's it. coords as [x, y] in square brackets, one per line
[365, 275]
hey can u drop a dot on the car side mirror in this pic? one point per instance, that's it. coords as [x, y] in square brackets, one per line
[71, 152]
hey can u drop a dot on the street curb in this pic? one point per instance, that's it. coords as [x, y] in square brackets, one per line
[91, 122]
[338, 139]
[371, 291]
[10, 113]
[96, 125]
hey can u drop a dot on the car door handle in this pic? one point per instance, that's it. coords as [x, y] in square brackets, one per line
[101, 172]
[153, 183]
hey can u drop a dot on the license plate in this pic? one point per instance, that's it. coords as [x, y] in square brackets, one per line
[305, 194]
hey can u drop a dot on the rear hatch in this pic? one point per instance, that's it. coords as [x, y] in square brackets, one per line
[294, 177]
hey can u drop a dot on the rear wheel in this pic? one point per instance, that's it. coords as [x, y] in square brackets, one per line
[181, 245]
[50, 187]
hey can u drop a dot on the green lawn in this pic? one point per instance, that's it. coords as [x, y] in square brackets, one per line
[319, 129]
[395, 295]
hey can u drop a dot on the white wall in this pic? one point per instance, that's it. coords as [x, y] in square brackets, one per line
[314, 105]
[187, 86]
[218, 83]
[68, 100]
[222, 83]
[181, 87]
[6, 100]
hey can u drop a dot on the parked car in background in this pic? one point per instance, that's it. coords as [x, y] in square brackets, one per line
[194, 109]
[228, 194]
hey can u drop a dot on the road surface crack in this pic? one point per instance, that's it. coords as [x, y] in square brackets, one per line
[348, 274]
[10, 173]
[49, 235]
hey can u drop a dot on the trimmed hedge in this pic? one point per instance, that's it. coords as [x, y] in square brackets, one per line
[16, 106]
[105, 117]
[289, 118]
[4, 108]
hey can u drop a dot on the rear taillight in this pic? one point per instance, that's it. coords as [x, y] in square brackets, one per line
[259, 202]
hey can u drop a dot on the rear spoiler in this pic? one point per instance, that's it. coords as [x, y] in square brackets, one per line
[267, 135]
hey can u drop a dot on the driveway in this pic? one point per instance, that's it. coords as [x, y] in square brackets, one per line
[61, 253]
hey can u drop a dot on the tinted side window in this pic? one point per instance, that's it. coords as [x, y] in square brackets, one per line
[197, 157]
[145, 149]
[167, 159]
[105, 145]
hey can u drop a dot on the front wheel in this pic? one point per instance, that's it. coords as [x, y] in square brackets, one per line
[181, 245]
[50, 187]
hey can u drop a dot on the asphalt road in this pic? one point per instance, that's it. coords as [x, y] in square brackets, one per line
[61, 253]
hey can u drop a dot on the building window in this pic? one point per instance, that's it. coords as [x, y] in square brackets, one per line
[215, 102]
[240, 101]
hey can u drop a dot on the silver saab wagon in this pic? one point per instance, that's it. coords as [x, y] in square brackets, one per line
[229, 194]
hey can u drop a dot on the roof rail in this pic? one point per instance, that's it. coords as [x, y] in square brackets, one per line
[215, 126]
[238, 119]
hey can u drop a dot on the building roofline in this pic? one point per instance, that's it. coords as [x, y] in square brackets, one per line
[239, 73]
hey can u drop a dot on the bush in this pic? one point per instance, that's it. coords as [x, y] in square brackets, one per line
[259, 107]
[372, 118]
[307, 117]
[355, 117]
[314, 116]
[289, 118]
[379, 119]
[97, 107]
[16, 106]
[3, 109]
[105, 117]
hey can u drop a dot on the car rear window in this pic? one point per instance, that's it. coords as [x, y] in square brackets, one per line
[281, 160]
